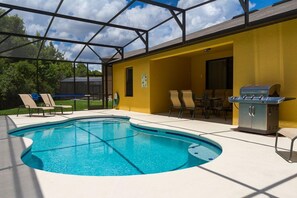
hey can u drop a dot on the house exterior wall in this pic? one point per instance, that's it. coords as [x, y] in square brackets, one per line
[198, 69]
[167, 74]
[261, 56]
[140, 101]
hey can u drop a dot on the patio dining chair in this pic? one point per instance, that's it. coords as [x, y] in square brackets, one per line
[49, 102]
[221, 103]
[218, 101]
[175, 102]
[30, 104]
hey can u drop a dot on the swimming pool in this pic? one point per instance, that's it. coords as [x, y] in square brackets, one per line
[112, 146]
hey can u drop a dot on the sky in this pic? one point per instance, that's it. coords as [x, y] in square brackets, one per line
[139, 15]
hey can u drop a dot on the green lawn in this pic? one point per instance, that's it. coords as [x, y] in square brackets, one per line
[80, 105]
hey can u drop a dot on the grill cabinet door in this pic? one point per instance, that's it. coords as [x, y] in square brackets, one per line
[259, 116]
[245, 120]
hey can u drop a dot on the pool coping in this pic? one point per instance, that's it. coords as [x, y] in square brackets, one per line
[248, 166]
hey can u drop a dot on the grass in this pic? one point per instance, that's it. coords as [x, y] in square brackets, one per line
[80, 105]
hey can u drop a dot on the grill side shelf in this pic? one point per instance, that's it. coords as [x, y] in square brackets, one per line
[289, 98]
[257, 100]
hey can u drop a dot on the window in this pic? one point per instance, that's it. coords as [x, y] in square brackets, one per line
[219, 73]
[129, 81]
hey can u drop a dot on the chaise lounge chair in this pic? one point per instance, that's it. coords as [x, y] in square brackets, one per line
[187, 99]
[30, 104]
[189, 104]
[175, 102]
[49, 102]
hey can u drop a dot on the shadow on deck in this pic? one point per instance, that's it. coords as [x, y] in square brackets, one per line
[16, 179]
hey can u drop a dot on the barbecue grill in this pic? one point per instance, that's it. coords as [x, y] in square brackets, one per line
[259, 108]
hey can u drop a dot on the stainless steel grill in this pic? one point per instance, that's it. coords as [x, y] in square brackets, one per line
[259, 108]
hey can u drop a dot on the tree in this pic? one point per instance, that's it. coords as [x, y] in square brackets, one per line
[14, 79]
[81, 70]
[51, 74]
[48, 51]
[21, 76]
[30, 76]
[95, 73]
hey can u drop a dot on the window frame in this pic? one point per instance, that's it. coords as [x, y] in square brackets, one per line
[129, 82]
[229, 73]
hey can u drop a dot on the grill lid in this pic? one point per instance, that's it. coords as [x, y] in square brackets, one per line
[260, 91]
[264, 94]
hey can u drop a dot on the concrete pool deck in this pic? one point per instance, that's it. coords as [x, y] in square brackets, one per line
[248, 166]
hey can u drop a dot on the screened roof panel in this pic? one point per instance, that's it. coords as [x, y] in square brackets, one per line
[169, 2]
[73, 30]
[186, 4]
[4, 9]
[142, 15]
[109, 25]
[102, 10]
[46, 5]
[212, 14]
[103, 52]
[260, 4]
[46, 52]
[114, 36]
[69, 50]
[136, 45]
[10, 42]
[166, 32]
[23, 50]
[88, 56]
[33, 23]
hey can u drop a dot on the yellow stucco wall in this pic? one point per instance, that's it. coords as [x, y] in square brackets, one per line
[261, 56]
[140, 101]
[288, 111]
[167, 74]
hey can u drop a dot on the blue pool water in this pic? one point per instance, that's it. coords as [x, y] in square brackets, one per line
[112, 146]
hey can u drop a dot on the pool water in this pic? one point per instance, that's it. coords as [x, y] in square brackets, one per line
[112, 146]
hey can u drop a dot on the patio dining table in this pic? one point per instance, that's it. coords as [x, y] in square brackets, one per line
[206, 103]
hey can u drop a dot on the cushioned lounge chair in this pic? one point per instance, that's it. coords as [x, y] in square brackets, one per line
[175, 102]
[30, 104]
[49, 102]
